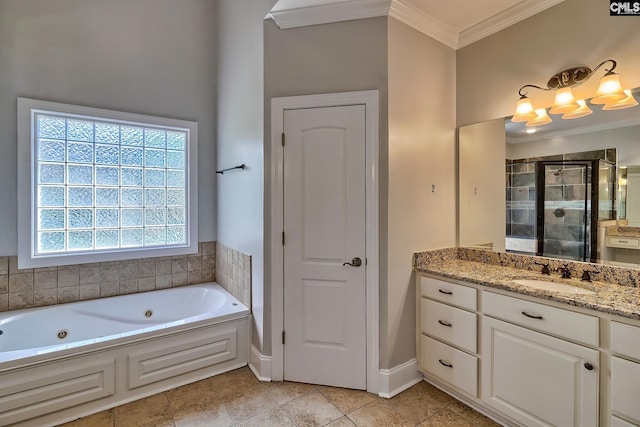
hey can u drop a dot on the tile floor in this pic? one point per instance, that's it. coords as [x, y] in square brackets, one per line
[237, 398]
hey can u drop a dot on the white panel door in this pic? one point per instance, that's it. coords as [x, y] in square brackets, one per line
[537, 379]
[324, 225]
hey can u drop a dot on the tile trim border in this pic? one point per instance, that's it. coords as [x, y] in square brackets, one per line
[399, 378]
[260, 364]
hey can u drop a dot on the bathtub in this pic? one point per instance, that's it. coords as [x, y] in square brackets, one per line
[62, 362]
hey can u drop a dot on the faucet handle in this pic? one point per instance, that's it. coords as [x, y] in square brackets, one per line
[565, 272]
[545, 267]
[586, 275]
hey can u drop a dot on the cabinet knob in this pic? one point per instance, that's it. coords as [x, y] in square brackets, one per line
[588, 366]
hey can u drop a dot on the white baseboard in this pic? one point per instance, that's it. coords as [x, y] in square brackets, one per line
[397, 379]
[260, 364]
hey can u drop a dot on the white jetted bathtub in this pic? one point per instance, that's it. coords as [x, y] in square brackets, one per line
[62, 362]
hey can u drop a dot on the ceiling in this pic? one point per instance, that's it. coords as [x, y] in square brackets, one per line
[456, 23]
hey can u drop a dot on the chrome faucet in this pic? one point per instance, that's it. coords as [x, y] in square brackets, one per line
[565, 272]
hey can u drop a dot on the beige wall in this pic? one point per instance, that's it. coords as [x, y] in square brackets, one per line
[421, 154]
[240, 89]
[153, 57]
[573, 33]
[340, 57]
[482, 185]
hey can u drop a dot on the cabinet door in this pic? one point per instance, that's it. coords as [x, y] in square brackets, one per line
[537, 379]
[625, 387]
[617, 422]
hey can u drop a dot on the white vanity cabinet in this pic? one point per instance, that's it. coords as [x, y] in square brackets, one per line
[527, 361]
[447, 333]
[535, 378]
[625, 374]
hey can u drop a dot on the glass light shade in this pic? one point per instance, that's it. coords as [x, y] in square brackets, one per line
[542, 118]
[565, 102]
[627, 102]
[524, 111]
[609, 91]
[582, 111]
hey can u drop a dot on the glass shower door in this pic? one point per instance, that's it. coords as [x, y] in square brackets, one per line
[563, 209]
[606, 190]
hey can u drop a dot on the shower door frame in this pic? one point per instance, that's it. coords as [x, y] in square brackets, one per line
[592, 239]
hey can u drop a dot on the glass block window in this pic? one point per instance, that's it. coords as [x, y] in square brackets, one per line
[105, 185]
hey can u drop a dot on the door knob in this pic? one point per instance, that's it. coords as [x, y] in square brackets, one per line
[356, 262]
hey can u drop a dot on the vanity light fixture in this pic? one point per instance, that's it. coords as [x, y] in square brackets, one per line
[627, 102]
[542, 118]
[610, 93]
[581, 111]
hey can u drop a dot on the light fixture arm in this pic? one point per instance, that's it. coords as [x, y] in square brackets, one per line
[522, 95]
[614, 64]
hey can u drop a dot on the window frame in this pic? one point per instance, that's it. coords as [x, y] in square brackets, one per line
[27, 185]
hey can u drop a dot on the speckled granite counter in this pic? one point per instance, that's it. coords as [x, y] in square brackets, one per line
[623, 231]
[616, 288]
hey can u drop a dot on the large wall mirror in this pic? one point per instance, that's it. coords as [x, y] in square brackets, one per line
[569, 189]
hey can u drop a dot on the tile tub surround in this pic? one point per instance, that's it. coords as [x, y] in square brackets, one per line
[233, 272]
[37, 287]
[617, 288]
[237, 398]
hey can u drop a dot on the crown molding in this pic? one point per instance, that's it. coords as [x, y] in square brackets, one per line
[418, 19]
[503, 20]
[406, 12]
[331, 12]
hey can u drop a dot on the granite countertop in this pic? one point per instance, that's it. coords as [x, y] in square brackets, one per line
[481, 268]
[623, 231]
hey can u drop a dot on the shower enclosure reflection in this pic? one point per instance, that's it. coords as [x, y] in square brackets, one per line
[567, 191]
[552, 207]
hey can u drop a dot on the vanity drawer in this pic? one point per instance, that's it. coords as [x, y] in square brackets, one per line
[625, 340]
[448, 323]
[623, 242]
[625, 388]
[450, 293]
[451, 365]
[556, 321]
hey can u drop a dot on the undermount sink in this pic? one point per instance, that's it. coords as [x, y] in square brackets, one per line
[547, 285]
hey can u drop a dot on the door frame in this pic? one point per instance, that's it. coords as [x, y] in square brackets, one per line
[278, 106]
